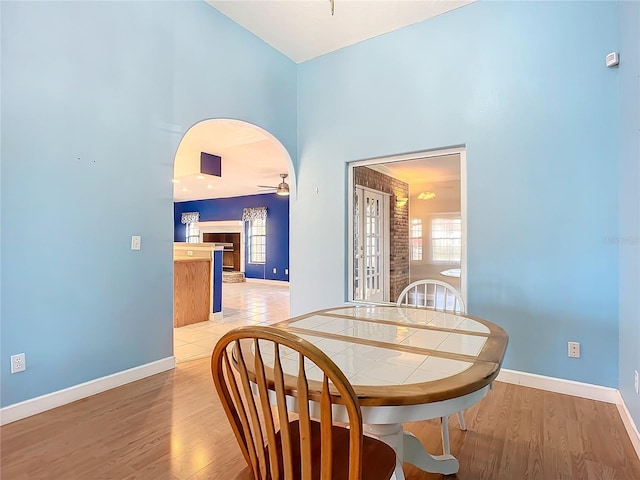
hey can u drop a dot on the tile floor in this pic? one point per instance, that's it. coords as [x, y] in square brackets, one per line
[247, 303]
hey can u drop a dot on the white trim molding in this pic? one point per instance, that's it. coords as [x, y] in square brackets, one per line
[18, 411]
[560, 385]
[266, 281]
[629, 424]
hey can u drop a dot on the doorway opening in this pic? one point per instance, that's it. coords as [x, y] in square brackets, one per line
[422, 199]
[228, 173]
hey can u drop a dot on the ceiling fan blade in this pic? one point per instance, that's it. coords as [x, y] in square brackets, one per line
[266, 186]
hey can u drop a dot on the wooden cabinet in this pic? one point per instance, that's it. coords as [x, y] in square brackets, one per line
[191, 291]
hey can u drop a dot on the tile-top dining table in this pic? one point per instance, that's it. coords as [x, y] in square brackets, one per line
[406, 364]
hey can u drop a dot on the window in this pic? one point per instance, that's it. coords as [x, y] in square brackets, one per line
[257, 240]
[446, 240]
[415, 239]
[192, 233]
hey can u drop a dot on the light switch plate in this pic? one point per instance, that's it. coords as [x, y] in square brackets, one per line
[612, 59]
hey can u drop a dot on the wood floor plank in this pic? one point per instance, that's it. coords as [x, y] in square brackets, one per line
[172, 427]
[491, 422]
[556, 444]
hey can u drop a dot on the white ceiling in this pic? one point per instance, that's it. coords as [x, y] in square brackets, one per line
[250, 157]
[440, 175]
[305, 29]
[442, 168]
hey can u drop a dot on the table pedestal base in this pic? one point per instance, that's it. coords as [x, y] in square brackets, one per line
[409, 449]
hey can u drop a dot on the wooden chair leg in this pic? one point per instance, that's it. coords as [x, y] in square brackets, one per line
[463, 425]
[446, 448]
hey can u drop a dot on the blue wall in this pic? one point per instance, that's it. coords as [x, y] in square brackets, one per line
[96, 97]
[524, 86]
[231, 209]
[629, 232]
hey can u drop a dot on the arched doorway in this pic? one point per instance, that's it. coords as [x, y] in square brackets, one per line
[223, 169]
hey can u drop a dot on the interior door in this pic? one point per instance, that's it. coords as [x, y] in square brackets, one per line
[371, 227]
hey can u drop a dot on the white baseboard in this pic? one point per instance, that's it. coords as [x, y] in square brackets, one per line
[560, 385]
[268, 282]
[629, 424]
[21, 410]
[215, 316]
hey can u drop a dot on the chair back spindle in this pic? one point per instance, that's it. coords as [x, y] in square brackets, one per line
[432, 294]
[258, 372]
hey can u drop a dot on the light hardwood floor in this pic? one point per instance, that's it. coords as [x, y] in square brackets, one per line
[171, 426]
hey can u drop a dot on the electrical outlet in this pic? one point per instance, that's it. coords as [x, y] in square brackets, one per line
[18, 363]
[635, 381]
[574, 350]
[274, 270]
[286, 271]
[135, 242]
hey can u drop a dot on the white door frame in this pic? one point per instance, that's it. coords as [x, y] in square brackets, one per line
[461, 151]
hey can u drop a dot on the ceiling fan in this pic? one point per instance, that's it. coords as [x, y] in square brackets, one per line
[281, 189]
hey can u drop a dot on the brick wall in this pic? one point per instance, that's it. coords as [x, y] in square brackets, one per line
[399, 228]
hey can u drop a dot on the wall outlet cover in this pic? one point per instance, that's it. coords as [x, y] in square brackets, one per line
[574, 349]
[18, 363]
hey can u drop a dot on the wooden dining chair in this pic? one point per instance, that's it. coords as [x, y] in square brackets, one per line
[441, 296]
[263, 375]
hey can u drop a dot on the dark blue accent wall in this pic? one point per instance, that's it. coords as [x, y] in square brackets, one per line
[225, 209]
[217, 281]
